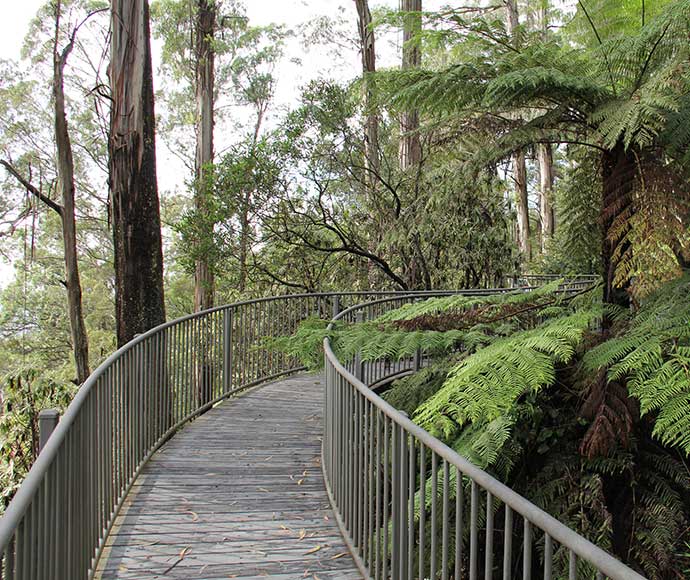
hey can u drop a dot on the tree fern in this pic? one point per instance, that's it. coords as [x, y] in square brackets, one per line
[651, 352]
[486, 385]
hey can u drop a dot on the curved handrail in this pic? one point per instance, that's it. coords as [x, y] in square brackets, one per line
[56, 525]
[58, 521]
[378, 464]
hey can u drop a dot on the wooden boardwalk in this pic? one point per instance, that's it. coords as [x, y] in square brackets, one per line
[238, 493]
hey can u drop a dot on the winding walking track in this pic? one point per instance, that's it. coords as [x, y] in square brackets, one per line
[239, 493]
[196, 452]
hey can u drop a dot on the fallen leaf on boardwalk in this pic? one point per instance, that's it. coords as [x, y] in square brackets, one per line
[302, 534]
[315, 577]
[269, 458]
[339, 555]
[195, 516]
[300, 482]
[313, 550]
[263, 489]
[183, 553]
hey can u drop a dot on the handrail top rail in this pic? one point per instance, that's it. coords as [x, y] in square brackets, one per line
[556, 529]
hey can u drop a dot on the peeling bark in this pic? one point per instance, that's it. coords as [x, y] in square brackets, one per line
[521, 203]
[518, 157]
[65, 167]
[410, 144]
[139, 301]
[545, 157]
[204, 282]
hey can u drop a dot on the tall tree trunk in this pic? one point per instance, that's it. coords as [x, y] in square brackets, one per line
[410, 145]
[545, 157]
[371, 135]
[371, 127]
[618, 173]
[139, 302]
[204, 282]
[518, 158]
[521, 203]
[65, 167]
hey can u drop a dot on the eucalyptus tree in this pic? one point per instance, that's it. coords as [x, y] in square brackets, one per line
[139, 301]
[410, 144]
[57, 50]
[367, 47]
[518, 156]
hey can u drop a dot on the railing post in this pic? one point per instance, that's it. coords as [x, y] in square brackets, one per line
[47, 421]
[359, 364]
[336, 305]
[417, 360]
[227, 350]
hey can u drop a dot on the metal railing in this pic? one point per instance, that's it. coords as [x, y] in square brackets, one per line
[56, 525]
[411, 507]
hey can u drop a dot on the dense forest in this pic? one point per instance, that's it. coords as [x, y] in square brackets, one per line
[501, 138]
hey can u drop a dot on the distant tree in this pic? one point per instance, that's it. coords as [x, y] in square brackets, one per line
[65, 169]
[204, 31]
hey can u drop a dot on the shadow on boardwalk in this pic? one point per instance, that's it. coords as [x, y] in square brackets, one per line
[238, 493]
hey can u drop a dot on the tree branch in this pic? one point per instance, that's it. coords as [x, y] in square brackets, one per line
[31, 188]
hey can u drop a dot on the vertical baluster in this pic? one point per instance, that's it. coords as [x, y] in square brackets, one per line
[572, 566]
[377, 562]
[395, 503]
[372, 491]
[459, 507]
[527, 551]
[489, 546]
[508, 544]
[474, 543]
[548, 557]
[359, 435]
[386, 442]
[404, 501]
[411, 488]
[422, 510]
[446, 520]
[434, 515]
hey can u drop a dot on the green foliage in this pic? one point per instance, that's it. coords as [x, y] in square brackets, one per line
[576, 247]
[306, 345]
[651, 352]
[487, 385]
[411, 391]
[24, 395]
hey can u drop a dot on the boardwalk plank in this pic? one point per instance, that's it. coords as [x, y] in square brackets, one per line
[239, 493]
